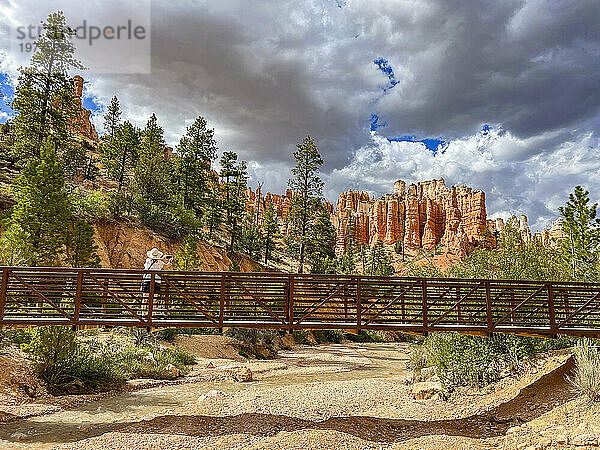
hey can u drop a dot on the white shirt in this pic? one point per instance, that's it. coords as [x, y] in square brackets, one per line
[153, 264]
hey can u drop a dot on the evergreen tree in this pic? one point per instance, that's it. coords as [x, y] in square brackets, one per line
[120, 152]
[112, 118]
[187, 256]
[379, 263]
[80, 248]
[44, 96]
[321, 247]
[234, 175]
[307, 188]
[14, 250]
[582, 229]
[271, 230]
[152, 176]
[251, 237]
[42, 211]
[214, 205]
[196, 150]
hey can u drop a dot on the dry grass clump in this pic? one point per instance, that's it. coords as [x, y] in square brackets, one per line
[586, 378]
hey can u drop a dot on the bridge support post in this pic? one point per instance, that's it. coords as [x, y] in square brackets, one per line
[77, 305]
[424, 298]
[488, 309]
[150, 302]
[358, 306]
[551, 310]
[290, 303]
[222, 303]
[3, 290]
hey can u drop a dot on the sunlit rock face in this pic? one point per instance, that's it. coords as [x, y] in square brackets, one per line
[419, 216]
[82, 126]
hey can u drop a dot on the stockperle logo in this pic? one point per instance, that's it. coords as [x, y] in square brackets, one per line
[90, 33]
[111, 37]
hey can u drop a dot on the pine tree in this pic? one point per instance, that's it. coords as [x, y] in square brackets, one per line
[214, 206]
[187, 256]
[234, 175]
[112, 118]
[152, 175]
[120, 152]
[582, 230]
[307, 188]
[271, 230]
[42, 211]
[321, 245]
[251, 239]
[195, 153]
[379, 263]
[80, 248]
[44, 96]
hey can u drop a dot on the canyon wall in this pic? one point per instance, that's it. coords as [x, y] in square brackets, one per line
[419, 216]
[123, 245]
[550, 236]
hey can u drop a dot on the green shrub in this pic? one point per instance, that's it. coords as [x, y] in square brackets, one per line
[72, 367]
[472, 360]
[326, 336]
[66, 366]
[419, 358]
[166, 334]
[18, 337]
[301, 336]
[586, 379]
[152, 362]
[141, 336]
[252, 335]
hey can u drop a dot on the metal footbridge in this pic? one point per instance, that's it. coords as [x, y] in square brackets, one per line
[86, 297]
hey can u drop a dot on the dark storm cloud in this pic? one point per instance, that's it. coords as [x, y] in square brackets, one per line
[266, 74]
[531, 66]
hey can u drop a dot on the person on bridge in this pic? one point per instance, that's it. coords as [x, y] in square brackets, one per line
[155, 261]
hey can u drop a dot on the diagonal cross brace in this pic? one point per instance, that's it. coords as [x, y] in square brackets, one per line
[197, 303]
[115, 298]
[464, 297]
[390, 303]
[342, 286]
[259, 301]
[520, 304]
[42, 295]
[581, 308]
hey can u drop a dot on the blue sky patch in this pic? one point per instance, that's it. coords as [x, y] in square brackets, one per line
[434, 145]
[7, 92]
[375, 123]
[384, 65]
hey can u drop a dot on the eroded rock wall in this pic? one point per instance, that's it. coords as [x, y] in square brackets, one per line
[124, 246]
[421, 216]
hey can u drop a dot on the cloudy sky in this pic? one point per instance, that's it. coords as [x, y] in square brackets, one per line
[499, 95]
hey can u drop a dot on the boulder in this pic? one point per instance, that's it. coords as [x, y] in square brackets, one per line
[425, 389]
[174, 370]
[287, 341]
[240, 374]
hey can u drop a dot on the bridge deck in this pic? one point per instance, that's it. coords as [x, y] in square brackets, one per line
[98, 297]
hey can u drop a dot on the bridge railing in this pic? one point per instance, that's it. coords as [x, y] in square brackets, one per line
[84, 297]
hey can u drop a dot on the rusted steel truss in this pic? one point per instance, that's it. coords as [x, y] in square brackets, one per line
[33, 296]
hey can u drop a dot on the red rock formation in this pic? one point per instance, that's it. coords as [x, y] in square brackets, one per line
[83, 128]
[425, 215]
